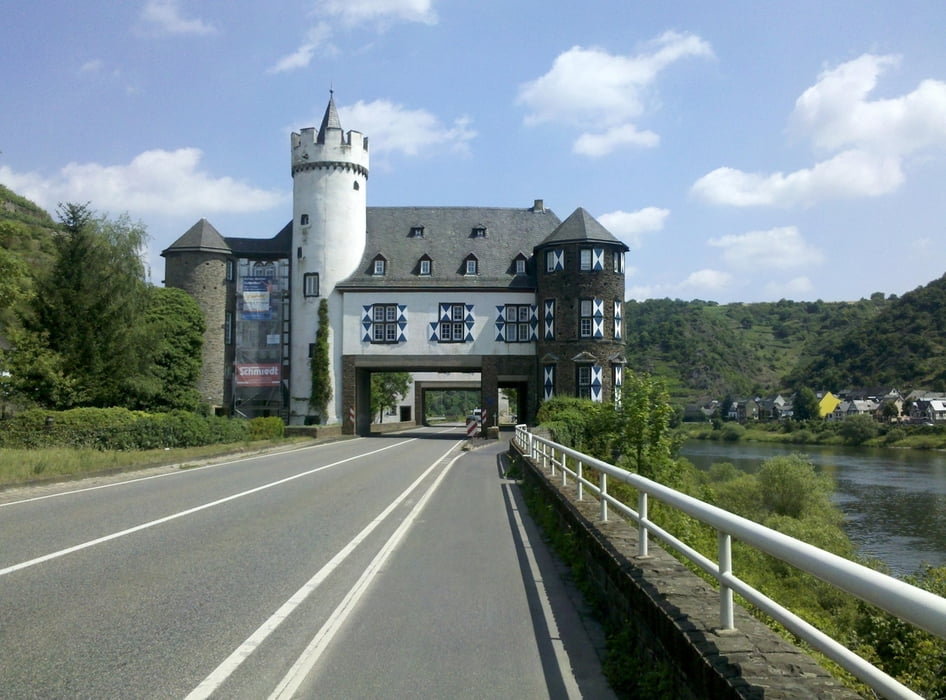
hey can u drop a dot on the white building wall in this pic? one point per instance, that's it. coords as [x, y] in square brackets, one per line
[422, 309]
[329, 228]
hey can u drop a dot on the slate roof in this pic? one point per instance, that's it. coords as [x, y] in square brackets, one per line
[279, 246]
[202, 237]
[448, 240]
[581, 227]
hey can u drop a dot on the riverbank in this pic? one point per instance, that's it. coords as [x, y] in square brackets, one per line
[850, 433]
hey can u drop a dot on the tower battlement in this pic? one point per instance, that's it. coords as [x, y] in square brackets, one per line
[311, 146]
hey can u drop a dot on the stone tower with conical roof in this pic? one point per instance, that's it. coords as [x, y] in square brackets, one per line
[580, 293]
[329, 178]
[200, 262]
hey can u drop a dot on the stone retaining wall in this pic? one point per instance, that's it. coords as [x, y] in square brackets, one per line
[675, 614]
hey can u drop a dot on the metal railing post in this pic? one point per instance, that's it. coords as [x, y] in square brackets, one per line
[642, 535]
[604, 494]
[581, 486]
[724, 544]
[564, 470]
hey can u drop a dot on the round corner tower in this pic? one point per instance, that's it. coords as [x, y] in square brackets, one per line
[329, 221]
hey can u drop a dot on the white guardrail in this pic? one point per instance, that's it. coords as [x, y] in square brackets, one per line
[921, 608]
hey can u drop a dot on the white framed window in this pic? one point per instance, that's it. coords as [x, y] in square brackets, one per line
[479, 232]
[384, 327]
[584, 258]
[425, 266]
[310, 284]
[452, 328]
[229, 270]
[471, 266]
[520, 266]
[584, 382]
[585, 319]
[379, 266]
[550, 261]
[518, 323]
[416, 232]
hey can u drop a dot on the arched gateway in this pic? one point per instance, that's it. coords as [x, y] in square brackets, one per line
[523, 298]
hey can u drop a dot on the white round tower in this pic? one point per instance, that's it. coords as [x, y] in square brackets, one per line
[329, 178]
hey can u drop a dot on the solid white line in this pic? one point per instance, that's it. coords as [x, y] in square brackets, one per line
[220, 674]
[304, 664]
[189, 511]
[154, 476]
[561, 656]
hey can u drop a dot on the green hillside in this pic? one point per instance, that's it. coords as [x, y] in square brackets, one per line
[706, 350]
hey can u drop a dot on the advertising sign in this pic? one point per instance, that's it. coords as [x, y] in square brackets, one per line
[257, 299]
[258, 374]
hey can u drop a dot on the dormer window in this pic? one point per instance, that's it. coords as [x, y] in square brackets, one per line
[519, 264]
[416, 232]
[478, 232]
[471, 265]
[380, 265]
[424, 266]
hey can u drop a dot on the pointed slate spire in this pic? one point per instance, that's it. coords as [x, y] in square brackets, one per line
[581, 227]
[330, 120]
[201, 237]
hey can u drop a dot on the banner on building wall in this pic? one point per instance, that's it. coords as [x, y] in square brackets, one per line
[248, 374]
[258, 299]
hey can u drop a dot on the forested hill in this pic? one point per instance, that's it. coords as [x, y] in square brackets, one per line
[706, 350]
[26, 230]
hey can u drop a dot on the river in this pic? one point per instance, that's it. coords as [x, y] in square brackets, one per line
[894, 501]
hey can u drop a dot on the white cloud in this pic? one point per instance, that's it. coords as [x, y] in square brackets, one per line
[317, 36]
[849, 174]
[352, 13]
[793, 288]
[630, 226]
[158, 182]
[591, 87]
[838, 114]
[707, 280]
[596, 145]
[93, 66]
[777, 248]
[365, 11]
[396, 129]
[164, 16]
[872, 137]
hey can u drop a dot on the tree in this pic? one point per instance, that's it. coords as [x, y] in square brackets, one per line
[644, 424]
[386, 388]
[321, 392]
[174, 325]
[805, 405]
[858, 429]
[86, 317]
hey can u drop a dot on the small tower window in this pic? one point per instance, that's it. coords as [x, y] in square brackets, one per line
[585, 259]
[304, 220]
[310, 284]
[356, 186]
[229, 270]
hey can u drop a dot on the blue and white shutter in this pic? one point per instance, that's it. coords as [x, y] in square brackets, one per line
[597, 258]
[548, 321]
[597, 317]
[548, 382]
[596, 383]
[618, 320]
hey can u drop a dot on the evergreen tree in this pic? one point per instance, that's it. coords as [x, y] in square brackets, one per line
[321, 392]
[85, 319]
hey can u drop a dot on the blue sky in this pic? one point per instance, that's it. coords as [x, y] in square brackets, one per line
[745, 151]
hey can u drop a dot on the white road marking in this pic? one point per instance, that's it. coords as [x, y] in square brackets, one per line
[220, 674]
[561, 656]
[148, 478]
[181, 514]
[304, 664]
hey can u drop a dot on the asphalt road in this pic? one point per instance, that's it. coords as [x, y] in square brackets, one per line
[388, 567]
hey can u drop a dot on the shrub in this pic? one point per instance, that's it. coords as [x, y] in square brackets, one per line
[271, 428]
